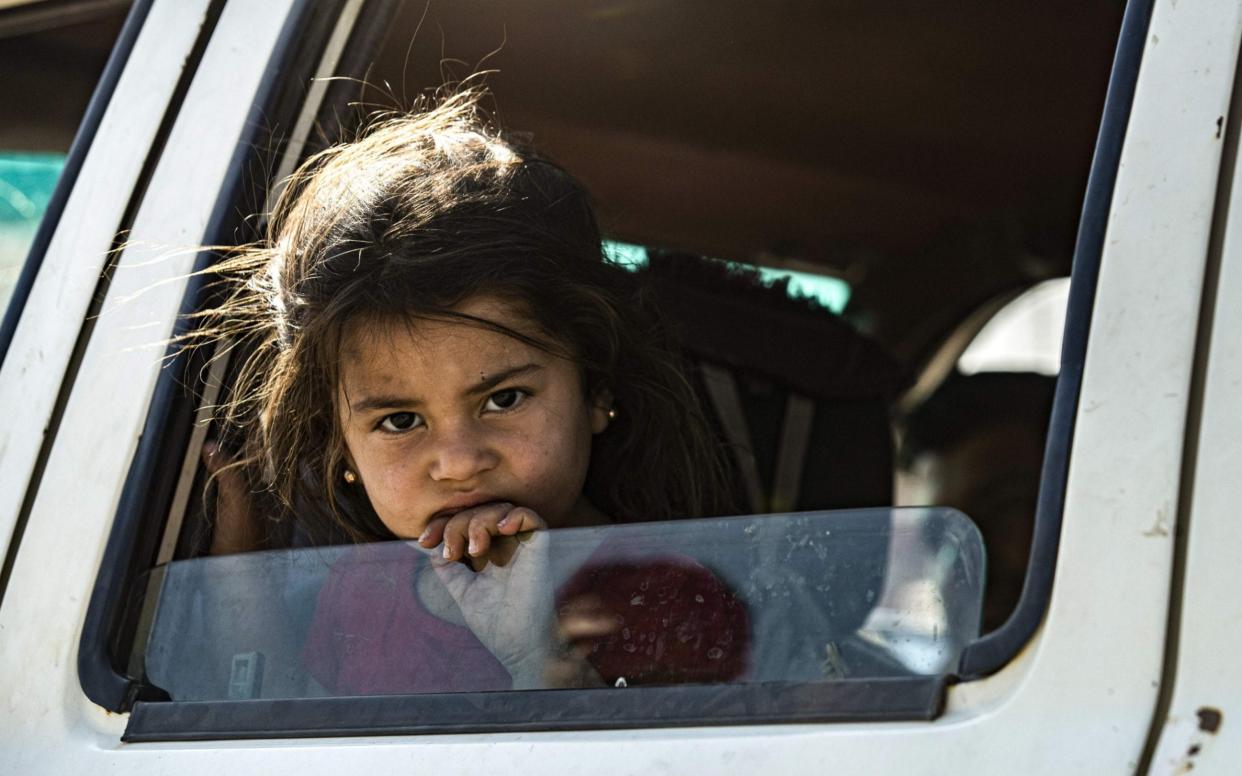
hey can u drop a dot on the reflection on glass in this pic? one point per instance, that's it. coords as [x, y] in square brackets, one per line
[26, 185]
[818, 596]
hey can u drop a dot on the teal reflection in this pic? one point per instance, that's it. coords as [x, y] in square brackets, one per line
[26, 185]
[829, 292]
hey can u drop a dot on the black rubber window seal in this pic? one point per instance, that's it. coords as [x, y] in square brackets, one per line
[856, 700]
[989, 653]
[148, 483]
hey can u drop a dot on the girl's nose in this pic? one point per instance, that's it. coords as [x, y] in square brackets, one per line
[460, 453]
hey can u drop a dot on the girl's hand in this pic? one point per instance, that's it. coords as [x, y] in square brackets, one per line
[580, 622]
[507, 599]
[508, 605]
[237, 527]
[471, 532]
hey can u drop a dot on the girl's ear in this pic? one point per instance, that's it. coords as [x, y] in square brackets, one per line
[350, 470]
[603, 410]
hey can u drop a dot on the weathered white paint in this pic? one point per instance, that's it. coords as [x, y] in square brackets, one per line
[34, 367]
[1078, 700]
[1208, 674]
[44, 606]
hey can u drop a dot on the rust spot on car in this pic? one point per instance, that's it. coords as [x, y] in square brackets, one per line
[1209, 719]
[1161, 528]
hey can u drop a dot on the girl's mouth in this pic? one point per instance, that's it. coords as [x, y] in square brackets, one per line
[457, 505]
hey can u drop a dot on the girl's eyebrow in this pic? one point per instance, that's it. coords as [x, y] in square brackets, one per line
[488, 383]
[381, 403]
[386, 402]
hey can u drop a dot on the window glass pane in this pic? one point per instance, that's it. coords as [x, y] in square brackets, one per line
[26, 185]
[809, 597]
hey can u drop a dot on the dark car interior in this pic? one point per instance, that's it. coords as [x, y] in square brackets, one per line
[932, 159]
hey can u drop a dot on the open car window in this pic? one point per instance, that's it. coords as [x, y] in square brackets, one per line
[870, 240]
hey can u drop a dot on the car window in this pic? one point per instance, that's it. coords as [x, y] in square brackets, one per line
[808, 597]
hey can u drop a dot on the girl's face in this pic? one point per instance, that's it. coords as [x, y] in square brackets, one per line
[443, 416]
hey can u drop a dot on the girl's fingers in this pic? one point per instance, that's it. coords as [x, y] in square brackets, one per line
[470, 531]
[237, 528]
[582, 619]
[213, 457]
[433, 534]
[466, 530]
[479, 533]
[520, 520]
[570, 672]
[211, 449]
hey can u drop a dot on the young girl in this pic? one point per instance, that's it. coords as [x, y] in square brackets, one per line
[439, 353]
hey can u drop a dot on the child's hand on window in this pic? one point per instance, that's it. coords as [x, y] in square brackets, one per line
[471, 532]
[508, 605]
[508, 599]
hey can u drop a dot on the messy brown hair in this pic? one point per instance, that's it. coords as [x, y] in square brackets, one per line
[420, 213]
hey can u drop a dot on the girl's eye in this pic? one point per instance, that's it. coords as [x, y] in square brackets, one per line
[401, 421]
[508, 399]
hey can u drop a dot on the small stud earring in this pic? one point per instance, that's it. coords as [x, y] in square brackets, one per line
[350, 477]
[612, 413]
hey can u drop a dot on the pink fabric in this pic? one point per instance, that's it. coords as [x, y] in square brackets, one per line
[675, 623]
[372, 636]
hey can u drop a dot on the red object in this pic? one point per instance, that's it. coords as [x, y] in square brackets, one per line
[676, 622]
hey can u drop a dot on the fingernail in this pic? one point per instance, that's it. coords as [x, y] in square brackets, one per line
[422, 537]
[448, 552]
[505, 520]
[473, 548]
